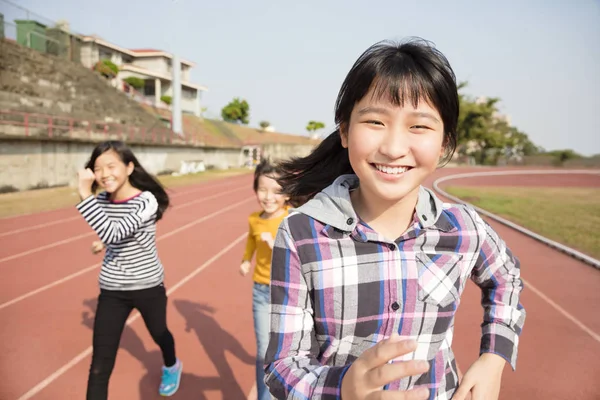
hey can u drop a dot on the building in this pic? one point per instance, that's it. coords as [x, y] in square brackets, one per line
[151, 65]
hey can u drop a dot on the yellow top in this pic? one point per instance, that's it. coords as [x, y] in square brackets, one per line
[259, 227]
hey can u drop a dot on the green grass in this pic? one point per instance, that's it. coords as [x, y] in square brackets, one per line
[32, 201]
[570, 216]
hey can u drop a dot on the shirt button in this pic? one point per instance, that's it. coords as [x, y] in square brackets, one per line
[350, 221]
[395, 306]
[392, 246]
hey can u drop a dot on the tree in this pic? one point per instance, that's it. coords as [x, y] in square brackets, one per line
[237, 111]
[484, 133]
[314, 126]
[561, 156]
[106, 68]
[135, 82]
[264, 124]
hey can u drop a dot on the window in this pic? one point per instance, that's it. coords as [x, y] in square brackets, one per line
[104, 54]
[188, 93]
[149, 88]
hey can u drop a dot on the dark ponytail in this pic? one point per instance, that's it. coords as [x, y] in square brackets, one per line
[139, 178]
[303, 177]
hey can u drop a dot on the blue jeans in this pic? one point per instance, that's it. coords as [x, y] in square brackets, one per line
[260, 310]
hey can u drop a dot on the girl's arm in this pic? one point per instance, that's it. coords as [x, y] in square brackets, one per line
[497, 273]
[114, 231]
[291, 366]
[250, 244]
[249, 252]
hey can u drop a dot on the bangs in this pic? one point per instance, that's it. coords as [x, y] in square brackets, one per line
[405, 73]
[402, 87]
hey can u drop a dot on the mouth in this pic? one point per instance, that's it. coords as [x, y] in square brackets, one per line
[391, 169]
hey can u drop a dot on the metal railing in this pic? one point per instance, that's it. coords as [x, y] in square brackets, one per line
[32, 125]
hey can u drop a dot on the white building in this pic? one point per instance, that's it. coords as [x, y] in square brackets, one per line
[153, 66]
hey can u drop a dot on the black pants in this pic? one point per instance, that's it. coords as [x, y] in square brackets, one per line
[112, 312]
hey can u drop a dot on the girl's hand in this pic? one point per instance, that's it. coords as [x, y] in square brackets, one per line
[371, 371]
[86, 180]
[97, 247]
[267, 237]
[482, 380]
[245, 268]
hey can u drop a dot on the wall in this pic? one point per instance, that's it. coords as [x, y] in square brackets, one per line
[185, 72]
[155, 64]
[280, 151]
[29, 163]
[187, 104]
[44, 84]
[89, 54]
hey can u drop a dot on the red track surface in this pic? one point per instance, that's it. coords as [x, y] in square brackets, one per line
[45, 335]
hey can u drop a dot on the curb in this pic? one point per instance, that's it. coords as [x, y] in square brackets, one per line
[558, 246]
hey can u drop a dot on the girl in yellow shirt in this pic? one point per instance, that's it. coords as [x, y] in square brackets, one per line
[262, 230]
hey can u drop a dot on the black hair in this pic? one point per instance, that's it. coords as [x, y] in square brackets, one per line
[409, 70]
[264, 168]
[272, 170]
[139, 178]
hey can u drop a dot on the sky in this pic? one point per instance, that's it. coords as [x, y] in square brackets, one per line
[288, 59]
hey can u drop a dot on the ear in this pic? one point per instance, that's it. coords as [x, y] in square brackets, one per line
[130, 168]
[344, 135]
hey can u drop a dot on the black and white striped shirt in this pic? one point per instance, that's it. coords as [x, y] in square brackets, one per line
[128, 231]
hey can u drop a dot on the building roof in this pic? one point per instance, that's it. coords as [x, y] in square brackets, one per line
[134, 52]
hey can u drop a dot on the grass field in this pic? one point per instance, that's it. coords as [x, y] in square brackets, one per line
[570, 216]
[32, 201]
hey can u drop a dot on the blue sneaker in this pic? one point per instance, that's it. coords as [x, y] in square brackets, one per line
[170, 379]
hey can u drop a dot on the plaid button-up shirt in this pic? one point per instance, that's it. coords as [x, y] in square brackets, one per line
[338, 287]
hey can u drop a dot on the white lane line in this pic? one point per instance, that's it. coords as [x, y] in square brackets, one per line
[65, 220]
[74, 238]
[92, 267]
[78, 358]
[527, 232]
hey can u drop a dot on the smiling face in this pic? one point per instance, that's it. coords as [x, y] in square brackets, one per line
[111, 173]
[392, 149]
[268, 194]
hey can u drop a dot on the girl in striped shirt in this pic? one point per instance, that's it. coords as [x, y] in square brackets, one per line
[124, 215]
[367, 276]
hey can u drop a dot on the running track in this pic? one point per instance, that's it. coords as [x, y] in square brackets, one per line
[49, 289]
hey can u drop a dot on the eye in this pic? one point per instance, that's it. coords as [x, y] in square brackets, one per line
[421, 127]
[374, 122]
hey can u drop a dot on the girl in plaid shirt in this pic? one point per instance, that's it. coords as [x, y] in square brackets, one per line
[367, 276]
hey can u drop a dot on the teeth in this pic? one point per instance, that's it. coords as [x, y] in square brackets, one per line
[391, 170]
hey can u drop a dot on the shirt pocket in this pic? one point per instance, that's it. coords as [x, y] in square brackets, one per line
[439, 278]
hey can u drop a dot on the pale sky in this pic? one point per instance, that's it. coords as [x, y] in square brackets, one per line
[288, 59]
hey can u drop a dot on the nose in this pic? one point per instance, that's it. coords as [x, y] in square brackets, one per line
[395, 144]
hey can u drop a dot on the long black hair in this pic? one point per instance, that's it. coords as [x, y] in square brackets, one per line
[139, 178]
[410, 70]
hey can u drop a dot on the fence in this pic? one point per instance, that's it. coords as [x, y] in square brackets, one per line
[15, 123]
[37, 32]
